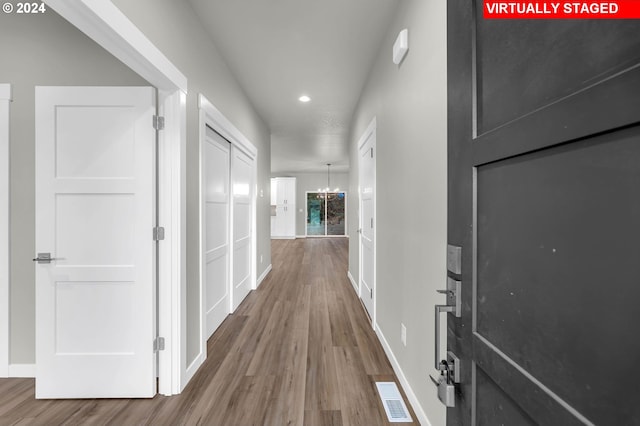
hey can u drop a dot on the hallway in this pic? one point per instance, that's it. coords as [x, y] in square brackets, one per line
[299, 350]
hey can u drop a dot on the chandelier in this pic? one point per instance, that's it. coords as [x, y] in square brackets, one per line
[328, 188]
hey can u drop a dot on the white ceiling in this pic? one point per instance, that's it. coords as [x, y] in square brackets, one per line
[282, 49]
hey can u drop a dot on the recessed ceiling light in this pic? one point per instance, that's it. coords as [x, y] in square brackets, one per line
[304, 98]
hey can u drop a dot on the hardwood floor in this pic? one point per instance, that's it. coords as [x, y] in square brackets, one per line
[298, 351]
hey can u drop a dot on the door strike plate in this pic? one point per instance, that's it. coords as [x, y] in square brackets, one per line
[454, 259]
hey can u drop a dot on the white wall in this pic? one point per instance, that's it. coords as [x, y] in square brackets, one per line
[41, 49]
[409, 103]
[174, 28]
[311, 182]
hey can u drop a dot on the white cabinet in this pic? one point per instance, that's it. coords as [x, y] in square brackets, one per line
[283, 207]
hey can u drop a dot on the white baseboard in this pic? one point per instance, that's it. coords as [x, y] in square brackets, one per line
[264, 275]
[301, 236]
[22, 370]
[353, 282]
[417, 408]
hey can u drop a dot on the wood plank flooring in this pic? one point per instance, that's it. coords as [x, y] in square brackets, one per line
[298, 351]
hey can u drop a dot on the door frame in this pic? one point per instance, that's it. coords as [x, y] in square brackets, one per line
[103, 22]
[369, 132]
[5, 230]
[212, 117]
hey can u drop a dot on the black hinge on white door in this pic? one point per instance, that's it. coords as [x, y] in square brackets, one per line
[371, 152]
[158, 122]
[371, 289]
[371, 223]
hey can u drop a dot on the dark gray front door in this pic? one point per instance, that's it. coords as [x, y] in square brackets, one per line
[544, 199]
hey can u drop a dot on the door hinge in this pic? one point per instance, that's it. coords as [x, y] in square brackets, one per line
[158, 344]
[158, 122]
[371, 152]
[158, 233]
[371, 223]
[371, 292]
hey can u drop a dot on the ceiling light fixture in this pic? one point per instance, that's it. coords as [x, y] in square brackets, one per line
[304, 98]
[328, 188]
[328, 177]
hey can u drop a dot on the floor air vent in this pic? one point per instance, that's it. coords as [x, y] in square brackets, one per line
[392, 402]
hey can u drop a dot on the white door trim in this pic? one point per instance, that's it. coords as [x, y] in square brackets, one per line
[172, 290]
[212, 117]
[5, 249]
[218, 122]
[368, 133]
[103, 22]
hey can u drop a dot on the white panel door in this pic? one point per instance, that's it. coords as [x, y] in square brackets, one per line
[242, 182]
[289, 218]
[95, 210]
[217, 160]
[284, 224]
[282, 193]
[367, 179]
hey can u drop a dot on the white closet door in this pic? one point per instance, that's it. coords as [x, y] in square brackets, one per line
[216, 193]
[242, 183]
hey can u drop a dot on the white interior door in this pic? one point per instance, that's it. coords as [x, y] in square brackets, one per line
[95, 209]
[367, 179]
[289, 225]
[217, 159]
[242, 181]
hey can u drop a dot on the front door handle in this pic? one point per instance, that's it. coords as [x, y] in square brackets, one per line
[44, 258]
[450, 367]
[454, 305]
[439, 309]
